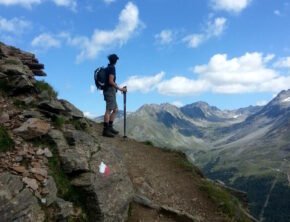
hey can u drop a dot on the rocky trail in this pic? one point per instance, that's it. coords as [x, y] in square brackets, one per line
[163, 178]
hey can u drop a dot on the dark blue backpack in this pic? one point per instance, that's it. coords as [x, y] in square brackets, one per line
[100, 77]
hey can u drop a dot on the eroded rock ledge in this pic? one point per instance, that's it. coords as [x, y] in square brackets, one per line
[51, 170]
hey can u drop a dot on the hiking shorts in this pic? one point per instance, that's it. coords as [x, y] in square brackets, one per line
[110, 98]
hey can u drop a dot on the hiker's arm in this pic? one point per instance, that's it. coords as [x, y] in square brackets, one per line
[112, 83]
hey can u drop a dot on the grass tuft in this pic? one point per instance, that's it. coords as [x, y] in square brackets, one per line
[227, 203]
[58, 121]
[6, 143]
[44, 86]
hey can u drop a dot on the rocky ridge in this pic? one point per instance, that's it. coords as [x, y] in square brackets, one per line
[47, 134]
[50, 158]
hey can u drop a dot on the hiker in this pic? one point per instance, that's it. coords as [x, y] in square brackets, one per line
[110, 97]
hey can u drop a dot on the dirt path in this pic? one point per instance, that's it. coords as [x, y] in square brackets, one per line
[166, 179]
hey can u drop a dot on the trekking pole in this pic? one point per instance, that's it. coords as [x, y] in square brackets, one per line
[125, 98]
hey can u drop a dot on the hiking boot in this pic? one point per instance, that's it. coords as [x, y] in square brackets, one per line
[107, 133]
[112, 130]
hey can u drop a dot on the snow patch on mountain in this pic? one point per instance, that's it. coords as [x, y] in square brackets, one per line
[286, 100]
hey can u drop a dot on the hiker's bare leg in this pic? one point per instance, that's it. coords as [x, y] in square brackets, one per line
[107, 116]
[113, 115]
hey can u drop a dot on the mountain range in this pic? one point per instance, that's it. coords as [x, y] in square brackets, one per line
[247, 148]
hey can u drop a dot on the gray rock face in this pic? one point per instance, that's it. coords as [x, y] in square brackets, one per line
[52, 105]
[73, 158]
[19, 76]
[71, 109]
[107, 195]
[115, 192]
[32, 128]
[16, 202]
[26, 183]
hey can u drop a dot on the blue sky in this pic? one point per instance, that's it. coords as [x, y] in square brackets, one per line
[229, 53]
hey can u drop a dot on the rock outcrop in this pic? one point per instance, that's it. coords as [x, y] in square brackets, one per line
[51, 172]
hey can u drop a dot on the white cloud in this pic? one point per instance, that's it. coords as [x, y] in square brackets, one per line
[177, 103]
[238, 75]
[30, 3]
[214, 28]
[24, 3]
[164, 37]
[234, 6]
[182, 86]
[283, 63]
[143, 84]
[245, 74]
[249, 68]
[72, 4]
[261, 102]
[90, 115]
[45, 41]
[194, 40]
[102, 40]
[13, 26]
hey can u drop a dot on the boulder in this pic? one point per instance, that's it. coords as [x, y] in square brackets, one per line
[32, 128]
[73, 158]
[111, 193]
[71, 109]
[52, 105]
[13, 66]
[16, 202]
[107, 196]
[20, 83]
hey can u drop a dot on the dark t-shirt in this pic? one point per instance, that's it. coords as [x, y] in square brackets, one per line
[111, 71]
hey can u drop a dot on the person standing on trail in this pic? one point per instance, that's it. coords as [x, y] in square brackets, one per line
[110, 97]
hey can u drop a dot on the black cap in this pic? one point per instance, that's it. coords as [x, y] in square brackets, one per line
[113, 58]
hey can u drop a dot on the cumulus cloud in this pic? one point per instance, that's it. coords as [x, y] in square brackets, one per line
[102, 39]
[249, 68]
[30, 3]
[46, 41]
[233, 6]
[182, 86]
[24, 3]
[13, 26]
[283, 63]
[248, 73]
[164, 37]
[143, 84]
[214, 28]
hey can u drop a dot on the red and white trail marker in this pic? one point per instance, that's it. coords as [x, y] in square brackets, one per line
[104, 169]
